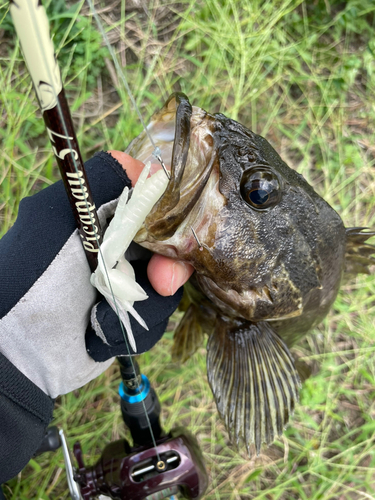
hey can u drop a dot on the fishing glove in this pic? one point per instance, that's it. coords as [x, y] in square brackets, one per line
[50, 317]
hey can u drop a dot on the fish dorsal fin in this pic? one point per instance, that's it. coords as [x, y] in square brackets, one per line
[254, 381]
[359, 255]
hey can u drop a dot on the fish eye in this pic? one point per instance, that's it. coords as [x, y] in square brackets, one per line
[260, 188]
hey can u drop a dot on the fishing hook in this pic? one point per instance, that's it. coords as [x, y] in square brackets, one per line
[196, 238]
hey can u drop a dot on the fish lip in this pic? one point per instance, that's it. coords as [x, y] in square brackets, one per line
[185, 138]
[182, 130]
[169, 131]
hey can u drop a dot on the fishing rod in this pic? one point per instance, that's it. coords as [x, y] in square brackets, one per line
[158, 464]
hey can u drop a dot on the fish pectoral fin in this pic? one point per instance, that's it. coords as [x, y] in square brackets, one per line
[188, 336]
[254, 381]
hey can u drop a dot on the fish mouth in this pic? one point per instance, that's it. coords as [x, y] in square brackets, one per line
[184, 136]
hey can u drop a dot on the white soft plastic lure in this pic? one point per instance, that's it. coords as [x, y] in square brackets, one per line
[114, 277]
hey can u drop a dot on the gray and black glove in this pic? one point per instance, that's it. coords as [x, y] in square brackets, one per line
[50, 318]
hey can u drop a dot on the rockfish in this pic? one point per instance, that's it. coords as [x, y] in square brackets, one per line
[269, 256]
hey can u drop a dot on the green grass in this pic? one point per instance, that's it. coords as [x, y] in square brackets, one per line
[303, 75]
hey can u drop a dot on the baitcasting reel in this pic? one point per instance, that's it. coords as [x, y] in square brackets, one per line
[156, 467]
[122, 472]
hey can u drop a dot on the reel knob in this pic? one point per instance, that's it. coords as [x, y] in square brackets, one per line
[174, 466]
[51, 441]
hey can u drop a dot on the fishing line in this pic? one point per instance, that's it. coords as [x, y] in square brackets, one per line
[157, 154]
[75, 164]
[120, 72]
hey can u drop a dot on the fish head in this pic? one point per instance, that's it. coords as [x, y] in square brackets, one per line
[264, 244]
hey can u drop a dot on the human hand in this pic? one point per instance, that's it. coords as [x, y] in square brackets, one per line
[46, 303]
[165, 275]
[47, 306]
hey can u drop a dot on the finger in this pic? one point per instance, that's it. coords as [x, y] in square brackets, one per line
[167, 275]
[133, 167]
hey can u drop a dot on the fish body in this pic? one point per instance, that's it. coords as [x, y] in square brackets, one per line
[269, 255]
